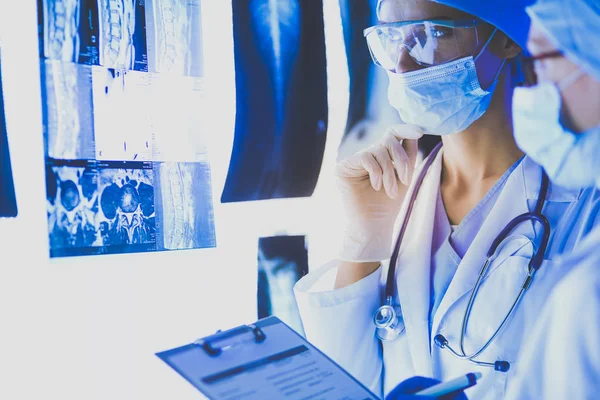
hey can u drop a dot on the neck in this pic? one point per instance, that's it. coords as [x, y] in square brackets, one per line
[486, 149]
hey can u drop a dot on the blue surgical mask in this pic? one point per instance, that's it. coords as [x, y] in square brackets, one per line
[571, 160]
[444, 99]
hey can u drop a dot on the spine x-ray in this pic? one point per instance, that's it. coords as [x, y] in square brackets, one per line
[281, 99]
[8, 201]
[110, 33]
[126, 165]
[140, 35]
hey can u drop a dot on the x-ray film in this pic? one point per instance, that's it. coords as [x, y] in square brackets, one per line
[126, 154]
[8, 201]
[369, 112]
[281, 100]
[100, 208]
[174, 35]
[184, 206]
[67, 96]
[110, 33]
[282, 261]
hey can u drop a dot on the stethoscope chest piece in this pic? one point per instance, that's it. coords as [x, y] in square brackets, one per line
[388, 321]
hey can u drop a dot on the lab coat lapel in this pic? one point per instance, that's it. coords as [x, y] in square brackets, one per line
[414, 267]
[511, 202]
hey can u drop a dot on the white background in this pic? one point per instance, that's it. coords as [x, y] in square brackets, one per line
[88, 327]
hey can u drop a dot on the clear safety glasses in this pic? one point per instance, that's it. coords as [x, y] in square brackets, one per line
[428, 42]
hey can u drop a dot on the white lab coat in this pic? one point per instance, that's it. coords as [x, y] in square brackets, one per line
[561, 357]
[340, 322]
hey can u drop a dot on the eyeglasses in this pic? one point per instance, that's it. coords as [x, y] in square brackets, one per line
[427, 42]
[531, 78]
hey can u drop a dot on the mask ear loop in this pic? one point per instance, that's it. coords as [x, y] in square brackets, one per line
[483, 49]
[570, 79]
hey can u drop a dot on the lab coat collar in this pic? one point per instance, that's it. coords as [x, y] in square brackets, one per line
[518, 196]
[413, 269]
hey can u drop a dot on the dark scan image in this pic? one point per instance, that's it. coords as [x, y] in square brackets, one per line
[8, 201]
[282, 261]
[110, 33]
[98, 208]
[281, 97]
[369, 112]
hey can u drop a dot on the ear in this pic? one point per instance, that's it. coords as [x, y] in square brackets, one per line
[506, 48]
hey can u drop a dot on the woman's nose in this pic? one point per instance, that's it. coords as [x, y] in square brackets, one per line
[405, 62]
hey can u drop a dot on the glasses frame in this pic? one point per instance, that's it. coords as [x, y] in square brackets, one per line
[531, 78]
[463, 23]
[459, 23]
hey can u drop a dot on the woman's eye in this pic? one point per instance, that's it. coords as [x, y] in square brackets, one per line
[441, 32]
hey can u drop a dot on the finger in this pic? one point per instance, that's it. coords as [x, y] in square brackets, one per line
[409, 136]
[390, 182]
[370, 164]
[361, 165]
[400, 158]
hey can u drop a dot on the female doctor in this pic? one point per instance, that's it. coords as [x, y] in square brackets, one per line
[466, 234]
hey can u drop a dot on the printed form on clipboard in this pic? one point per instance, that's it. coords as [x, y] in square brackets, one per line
[264, 361]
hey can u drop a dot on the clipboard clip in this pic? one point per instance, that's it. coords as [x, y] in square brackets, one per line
[214, 351]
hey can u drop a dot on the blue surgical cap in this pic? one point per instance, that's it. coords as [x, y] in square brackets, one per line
[574, 27]
[507, 15]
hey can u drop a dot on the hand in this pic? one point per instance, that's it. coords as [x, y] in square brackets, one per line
[373, 183]
[406, 390]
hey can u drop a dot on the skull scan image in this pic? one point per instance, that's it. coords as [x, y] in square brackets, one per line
[72, 205]
[127, 206]
[61, 29]
[282, 261]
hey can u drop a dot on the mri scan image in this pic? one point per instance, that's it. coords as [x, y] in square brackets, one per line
[67, 111]
[126, 215]
[110, 33]
[72, 207]
[174, 35]
[98, 208]
[184, 203]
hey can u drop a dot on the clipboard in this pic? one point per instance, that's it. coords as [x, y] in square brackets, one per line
[263, 361]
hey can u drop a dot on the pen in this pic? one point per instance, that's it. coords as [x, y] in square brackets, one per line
[444, 388]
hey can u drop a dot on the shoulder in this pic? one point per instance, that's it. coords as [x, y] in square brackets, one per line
[532, 177]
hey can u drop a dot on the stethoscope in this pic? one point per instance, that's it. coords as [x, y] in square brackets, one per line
[388, 319]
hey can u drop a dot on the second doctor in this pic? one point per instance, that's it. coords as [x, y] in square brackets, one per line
[443, 269]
